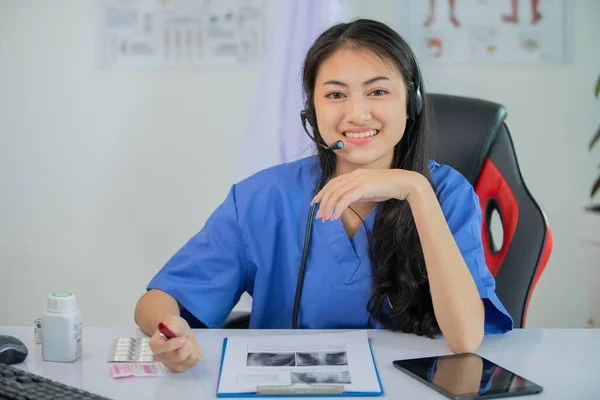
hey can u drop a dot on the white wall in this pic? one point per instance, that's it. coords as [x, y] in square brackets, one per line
[552, 115]
[106, 173]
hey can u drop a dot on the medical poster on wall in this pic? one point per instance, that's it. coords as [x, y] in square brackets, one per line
[179, 33]
[488, 31]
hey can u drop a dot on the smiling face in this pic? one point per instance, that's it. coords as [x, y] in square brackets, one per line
[360, 99]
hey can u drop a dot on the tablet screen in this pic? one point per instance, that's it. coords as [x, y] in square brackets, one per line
[467, 376]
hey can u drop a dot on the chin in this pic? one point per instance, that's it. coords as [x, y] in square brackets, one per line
[361, 158]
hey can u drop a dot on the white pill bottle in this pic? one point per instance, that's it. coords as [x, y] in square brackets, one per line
[62, 328]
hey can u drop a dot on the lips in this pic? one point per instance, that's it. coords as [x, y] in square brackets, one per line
[361, 135]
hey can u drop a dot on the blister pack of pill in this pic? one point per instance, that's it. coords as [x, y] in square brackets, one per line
[131, 350]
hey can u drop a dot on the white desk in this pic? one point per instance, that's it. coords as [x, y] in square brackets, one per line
[564, 362]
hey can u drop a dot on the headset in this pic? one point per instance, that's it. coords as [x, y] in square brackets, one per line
[415, 106]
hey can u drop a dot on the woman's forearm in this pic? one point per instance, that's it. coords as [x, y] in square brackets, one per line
[456, 301]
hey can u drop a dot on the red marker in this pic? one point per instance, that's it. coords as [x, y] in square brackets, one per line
[166, 332]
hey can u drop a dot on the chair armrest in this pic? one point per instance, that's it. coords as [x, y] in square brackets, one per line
[237, 320]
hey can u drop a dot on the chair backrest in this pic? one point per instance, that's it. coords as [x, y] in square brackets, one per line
[471, 136]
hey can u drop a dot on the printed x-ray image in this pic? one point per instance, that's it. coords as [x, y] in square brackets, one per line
[271, 360]
[338, 358]
[321, 377]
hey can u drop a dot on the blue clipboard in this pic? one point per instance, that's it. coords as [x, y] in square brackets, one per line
[285, 391]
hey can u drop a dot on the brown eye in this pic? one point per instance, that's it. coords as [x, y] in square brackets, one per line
[378, 92]
[335, 95]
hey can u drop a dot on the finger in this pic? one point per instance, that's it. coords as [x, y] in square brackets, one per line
[328, 191]
[195, 358]
[156, 341]
[176, 367]
[178, 326]
[331, 205]
[178, 356]
[161, 345]
[198, 355]
[180, 366]
[181, 354]
[349, 198]
[184, 351]
[332, 183]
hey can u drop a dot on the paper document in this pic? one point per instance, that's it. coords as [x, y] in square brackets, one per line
[179, 33]
[340, 359]
[488, 31]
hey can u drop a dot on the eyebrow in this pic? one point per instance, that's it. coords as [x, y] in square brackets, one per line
[365, 83]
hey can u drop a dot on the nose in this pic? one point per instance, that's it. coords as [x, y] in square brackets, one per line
[359, 112]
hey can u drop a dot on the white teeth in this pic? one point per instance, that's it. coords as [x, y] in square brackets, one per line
[361, 135]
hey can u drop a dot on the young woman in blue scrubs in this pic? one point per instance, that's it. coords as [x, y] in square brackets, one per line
[395, 239]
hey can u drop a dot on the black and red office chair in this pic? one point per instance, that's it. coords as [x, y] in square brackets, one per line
[472, 137]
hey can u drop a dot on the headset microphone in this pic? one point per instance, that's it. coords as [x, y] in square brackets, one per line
[335, 146]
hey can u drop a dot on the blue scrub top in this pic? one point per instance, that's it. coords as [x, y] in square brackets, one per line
[253, 243]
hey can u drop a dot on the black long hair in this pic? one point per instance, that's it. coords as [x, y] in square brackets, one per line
[399, 276]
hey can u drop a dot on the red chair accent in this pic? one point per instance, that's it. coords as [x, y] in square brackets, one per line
[471, 136]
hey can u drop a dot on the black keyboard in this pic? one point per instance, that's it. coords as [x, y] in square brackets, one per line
[19, 384]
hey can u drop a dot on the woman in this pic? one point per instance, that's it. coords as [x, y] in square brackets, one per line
[396, 239]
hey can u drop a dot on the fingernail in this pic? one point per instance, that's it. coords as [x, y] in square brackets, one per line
[183, 340]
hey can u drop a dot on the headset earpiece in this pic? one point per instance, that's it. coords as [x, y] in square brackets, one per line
[416, 98]
[417, 103]
[303, 115]
[309, 114]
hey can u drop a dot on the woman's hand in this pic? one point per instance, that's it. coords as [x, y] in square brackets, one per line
[179, 353]
[365, 185]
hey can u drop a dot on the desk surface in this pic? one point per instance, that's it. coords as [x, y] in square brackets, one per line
[564, 362]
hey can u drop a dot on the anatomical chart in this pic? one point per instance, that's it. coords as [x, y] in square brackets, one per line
[488, 31]
[179, 33]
